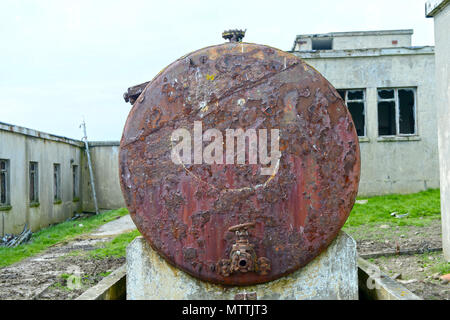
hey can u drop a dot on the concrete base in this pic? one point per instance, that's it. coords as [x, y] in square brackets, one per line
[332, 275]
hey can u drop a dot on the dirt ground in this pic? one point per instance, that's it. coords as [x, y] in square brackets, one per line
[58, 275]
[44, 276]
[417, 272]
[392, 238]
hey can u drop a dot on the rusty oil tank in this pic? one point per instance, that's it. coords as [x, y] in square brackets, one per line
[226, 222]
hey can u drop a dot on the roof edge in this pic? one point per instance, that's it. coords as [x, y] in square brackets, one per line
[357, 33]
[370, 52]
[38, 134]
[432, 8]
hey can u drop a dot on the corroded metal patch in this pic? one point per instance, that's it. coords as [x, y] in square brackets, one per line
[185, 210]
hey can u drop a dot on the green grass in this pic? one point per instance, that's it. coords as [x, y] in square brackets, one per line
[442, 267]
[47, 237]
[423, 207]
[116, 247]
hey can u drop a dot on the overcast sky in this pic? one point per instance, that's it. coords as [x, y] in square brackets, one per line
[63, 60]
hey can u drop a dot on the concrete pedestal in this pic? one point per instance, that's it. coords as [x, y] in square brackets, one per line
[332, 275]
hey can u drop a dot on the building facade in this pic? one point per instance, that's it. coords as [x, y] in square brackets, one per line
[388, 86]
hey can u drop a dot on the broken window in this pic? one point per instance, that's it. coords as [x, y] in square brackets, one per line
[56, 182]
[396, 112]
[321, 44]
[75, 182]
[34, 183]
[4, 182]
[355, 102]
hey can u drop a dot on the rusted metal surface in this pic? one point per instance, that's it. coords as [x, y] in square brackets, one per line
[185, 211]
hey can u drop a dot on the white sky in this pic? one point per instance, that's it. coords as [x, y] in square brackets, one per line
[62, 60]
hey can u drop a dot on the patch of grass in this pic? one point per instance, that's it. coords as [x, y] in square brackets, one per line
[64, 231]
[115, 248]
[442, 267]
[104, 274]
[422, 207]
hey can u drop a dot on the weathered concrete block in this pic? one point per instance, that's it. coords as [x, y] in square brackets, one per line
[332, 275]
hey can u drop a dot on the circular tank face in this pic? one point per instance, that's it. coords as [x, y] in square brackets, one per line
[229, 211]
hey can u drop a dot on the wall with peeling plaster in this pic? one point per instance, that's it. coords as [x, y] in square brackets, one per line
[389, 165]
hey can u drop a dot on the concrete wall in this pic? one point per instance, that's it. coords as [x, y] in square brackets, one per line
[398, 164]
[20, 146]
[358, 40]
[105, 165]
[440, 10]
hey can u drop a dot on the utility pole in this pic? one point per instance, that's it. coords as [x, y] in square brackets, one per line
[91, 174]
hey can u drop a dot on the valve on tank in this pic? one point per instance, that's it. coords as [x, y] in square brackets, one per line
[243, 256]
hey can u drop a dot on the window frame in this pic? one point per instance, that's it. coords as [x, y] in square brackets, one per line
[363, 100]
[7, 190]
[396, 101]
[75, 183]
[57, 190]
[33, 198]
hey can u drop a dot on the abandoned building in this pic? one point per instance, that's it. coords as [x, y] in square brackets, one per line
[44, 179]
[387, 84]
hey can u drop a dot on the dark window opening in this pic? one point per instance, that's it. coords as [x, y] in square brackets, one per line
[321, 44]
[34, 183]
[396, 112]
[357, 111]
[355, 95]
[4, 182]
[406, 111]
[56, 182]
[75, 182]
[355, 102]
[386, 94]
[386, 118]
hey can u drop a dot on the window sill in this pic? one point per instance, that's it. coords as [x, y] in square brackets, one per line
[398, 138]
[5, 208]
[363, 139]
[57, 202]
[34, 204]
